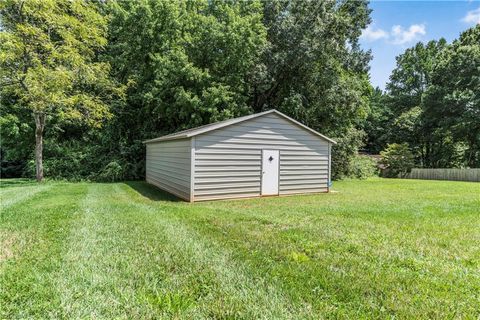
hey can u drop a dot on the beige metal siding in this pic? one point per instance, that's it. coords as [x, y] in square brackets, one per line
[168, 166]
[228, 160]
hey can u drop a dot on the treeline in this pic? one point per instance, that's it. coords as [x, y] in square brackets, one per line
[432, 104]
[91, 80]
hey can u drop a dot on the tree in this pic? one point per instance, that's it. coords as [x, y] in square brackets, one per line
[192, 63]
[15, 135]
[187, 63]
[314, 70]
[378, 122]
[452, 102]
[412, 75]
[48, 52]
[397, 159]
[408, 83]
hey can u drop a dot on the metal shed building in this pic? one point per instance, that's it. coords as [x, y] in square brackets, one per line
[263, 154]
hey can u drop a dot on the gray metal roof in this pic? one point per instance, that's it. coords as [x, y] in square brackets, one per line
[217, 125]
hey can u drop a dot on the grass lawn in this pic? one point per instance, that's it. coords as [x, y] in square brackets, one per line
[374, 249]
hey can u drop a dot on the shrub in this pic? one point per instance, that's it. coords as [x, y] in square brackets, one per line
[397, 159]
[70, 167]
[363, 167]
[113, 171]
[344, 152]
[11, 168]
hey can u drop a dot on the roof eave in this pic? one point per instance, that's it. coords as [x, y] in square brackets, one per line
[165, 139]
[210, 128]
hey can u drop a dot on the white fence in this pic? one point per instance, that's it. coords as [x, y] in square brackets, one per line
[445, 174]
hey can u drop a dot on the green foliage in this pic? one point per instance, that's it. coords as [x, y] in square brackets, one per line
[47, 62]
[453, 102]
[408, 123]
[71, 165]
[194, 64]
[113, 171]
[11, 168]
[378, 122]
[69, 250]
[314, 71]
[186, 64]
[412, 75]
[363, 167]
[183, 64]
[16, 132]
[49, 67]
[432, 103]
[408, 83]
[344, 152]
[397, 159]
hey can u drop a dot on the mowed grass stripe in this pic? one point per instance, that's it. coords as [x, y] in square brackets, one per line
[111, 266]
[13, 196]
[328, 268]
[115, 267]
[327, 258]
[88, 280]
[36, 229]
[376, 249]
[237, 293]
[171, 281]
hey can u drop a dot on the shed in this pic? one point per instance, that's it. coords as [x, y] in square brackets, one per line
[264, 154]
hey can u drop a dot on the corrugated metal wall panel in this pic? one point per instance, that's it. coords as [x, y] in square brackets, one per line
[303, 177]
[242, 147]
[222, 178]
[234, 192]
[228, 160]
[226, 196]
[249, 141]
[168, 166]
[304, 191]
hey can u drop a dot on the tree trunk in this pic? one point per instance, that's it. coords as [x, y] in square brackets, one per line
[39, 125]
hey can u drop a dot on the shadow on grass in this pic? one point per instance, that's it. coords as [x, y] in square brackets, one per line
[151, 192]
[14, 182]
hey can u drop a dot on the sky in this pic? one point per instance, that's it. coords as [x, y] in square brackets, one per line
[398, 25]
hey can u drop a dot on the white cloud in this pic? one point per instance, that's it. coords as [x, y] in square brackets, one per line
[398, 35]
[472, 17]
[371, 34]
[403, 36]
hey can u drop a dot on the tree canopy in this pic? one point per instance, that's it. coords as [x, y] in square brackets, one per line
[101, 77]
[47, 63]
[452, 103]
[193, 63]
[432, 104]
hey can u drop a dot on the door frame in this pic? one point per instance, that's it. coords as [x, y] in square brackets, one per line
[261, 174]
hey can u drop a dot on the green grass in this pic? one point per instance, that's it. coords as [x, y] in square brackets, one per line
[373, 249]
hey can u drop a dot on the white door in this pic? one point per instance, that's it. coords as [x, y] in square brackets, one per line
[270, 172]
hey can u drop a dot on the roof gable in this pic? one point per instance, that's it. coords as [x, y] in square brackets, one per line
[217, 125]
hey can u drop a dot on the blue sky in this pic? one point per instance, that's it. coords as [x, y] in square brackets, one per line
[398, 25]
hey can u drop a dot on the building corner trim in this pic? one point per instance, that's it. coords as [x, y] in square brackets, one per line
[192, 169]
